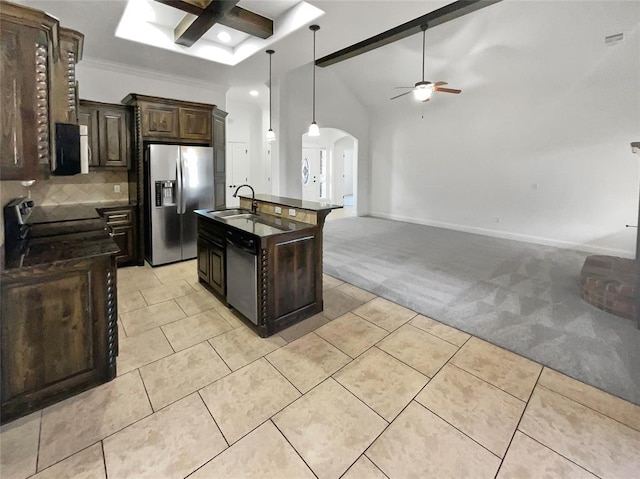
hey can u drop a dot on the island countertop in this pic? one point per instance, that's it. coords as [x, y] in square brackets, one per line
[293, 202]
[262, 225]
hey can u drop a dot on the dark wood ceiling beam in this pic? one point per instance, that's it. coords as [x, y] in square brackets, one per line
[190, 29]
[237, 18]
[182, 5]
[437, 17]
[248, 22]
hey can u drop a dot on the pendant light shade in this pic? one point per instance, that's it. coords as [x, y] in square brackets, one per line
[314, 130]
[271, 136]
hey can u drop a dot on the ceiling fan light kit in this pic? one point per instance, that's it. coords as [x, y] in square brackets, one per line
[423, 89]
[314, 130]
[271, 136]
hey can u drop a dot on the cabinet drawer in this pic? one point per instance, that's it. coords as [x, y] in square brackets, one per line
[118, 217]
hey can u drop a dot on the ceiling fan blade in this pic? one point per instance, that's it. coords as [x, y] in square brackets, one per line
[401, 94]
[447, 90]
[425, 101]
[404, 87]
[440, 83]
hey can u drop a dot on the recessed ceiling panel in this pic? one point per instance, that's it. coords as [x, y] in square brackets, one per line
[153, 23]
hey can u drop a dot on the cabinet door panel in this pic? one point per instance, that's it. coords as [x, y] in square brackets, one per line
[195, 124]
[160, 121]
[203, 261]
[113, 138]
[123, 236]
[24, 117]
[216, 269]
[47, 333]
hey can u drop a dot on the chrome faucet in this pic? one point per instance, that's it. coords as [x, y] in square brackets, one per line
[254, 203]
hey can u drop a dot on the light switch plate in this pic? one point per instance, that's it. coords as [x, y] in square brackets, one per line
[116, 188]
[292, 212]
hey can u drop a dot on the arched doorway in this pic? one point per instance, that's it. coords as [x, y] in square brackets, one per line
[329, 170]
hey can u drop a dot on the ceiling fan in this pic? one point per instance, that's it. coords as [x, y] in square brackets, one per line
[423, 90]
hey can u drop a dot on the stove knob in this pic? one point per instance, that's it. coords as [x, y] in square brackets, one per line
[30, 203]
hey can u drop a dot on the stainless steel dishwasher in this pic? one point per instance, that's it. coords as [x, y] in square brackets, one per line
[242, 274]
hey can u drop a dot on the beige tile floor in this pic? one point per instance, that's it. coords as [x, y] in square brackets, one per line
[367, 389]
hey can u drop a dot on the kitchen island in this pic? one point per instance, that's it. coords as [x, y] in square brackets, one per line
[265, 263]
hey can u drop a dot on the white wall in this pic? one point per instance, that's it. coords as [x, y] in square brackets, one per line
[111, 82]
[245, 124]
[537, 145]
[336, 107]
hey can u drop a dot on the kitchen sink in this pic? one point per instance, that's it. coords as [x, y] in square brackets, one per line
[232, 213]
[246, 216]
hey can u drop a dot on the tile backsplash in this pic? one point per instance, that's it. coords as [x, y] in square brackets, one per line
[95, 187]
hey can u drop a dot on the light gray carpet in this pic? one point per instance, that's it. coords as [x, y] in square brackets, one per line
[521, 296]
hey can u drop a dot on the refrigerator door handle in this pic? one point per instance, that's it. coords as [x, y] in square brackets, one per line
[179, 183]
[183, 175]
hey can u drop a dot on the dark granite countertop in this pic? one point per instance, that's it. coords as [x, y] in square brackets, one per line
[62, 233]
[49, 250]
[293, 202]
[262, 225]
[80, 211]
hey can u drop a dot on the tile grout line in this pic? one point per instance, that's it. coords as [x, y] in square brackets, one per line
[104, 459]
[39, 439]
[169, 342]
[84, 448]
[292, 446]
[526, 406]
[459, 430]
[561, 455]
[589, 407]
[204, 403]
[284, 376]
[491, 384]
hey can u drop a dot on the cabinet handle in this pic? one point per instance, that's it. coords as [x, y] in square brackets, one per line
[117, 234]
[117, 216]
[90, 156]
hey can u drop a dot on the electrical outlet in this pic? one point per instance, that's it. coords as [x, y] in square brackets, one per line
[116, 188]
[278, 210]
[292, 212]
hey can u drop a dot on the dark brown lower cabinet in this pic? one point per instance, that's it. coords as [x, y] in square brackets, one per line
[211, 257]
[122, 224]
[58, 332]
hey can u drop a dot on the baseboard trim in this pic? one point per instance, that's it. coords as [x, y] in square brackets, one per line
[587, 248]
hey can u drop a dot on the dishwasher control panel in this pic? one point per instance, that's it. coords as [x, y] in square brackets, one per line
[243, 241]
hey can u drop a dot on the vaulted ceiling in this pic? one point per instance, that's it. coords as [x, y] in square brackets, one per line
[511, 44]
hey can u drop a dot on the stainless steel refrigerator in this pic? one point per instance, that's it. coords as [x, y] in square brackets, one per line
[178, 180]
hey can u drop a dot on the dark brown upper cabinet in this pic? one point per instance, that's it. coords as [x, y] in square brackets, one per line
[108, 128]
[37, 89]
[163, 119]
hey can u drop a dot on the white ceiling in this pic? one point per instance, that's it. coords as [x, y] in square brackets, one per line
[344, 23]
[469, 53]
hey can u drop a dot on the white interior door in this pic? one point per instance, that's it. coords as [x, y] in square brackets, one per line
[315, 163]
[237, 170]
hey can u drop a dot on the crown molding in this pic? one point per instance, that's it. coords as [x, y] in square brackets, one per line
[150, 74]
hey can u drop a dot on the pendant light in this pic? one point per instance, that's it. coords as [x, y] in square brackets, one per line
[313, 128]
[271, 136]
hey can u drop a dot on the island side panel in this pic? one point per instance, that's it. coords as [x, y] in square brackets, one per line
[293, 290]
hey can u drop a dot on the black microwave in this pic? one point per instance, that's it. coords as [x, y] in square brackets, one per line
[67, 158]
